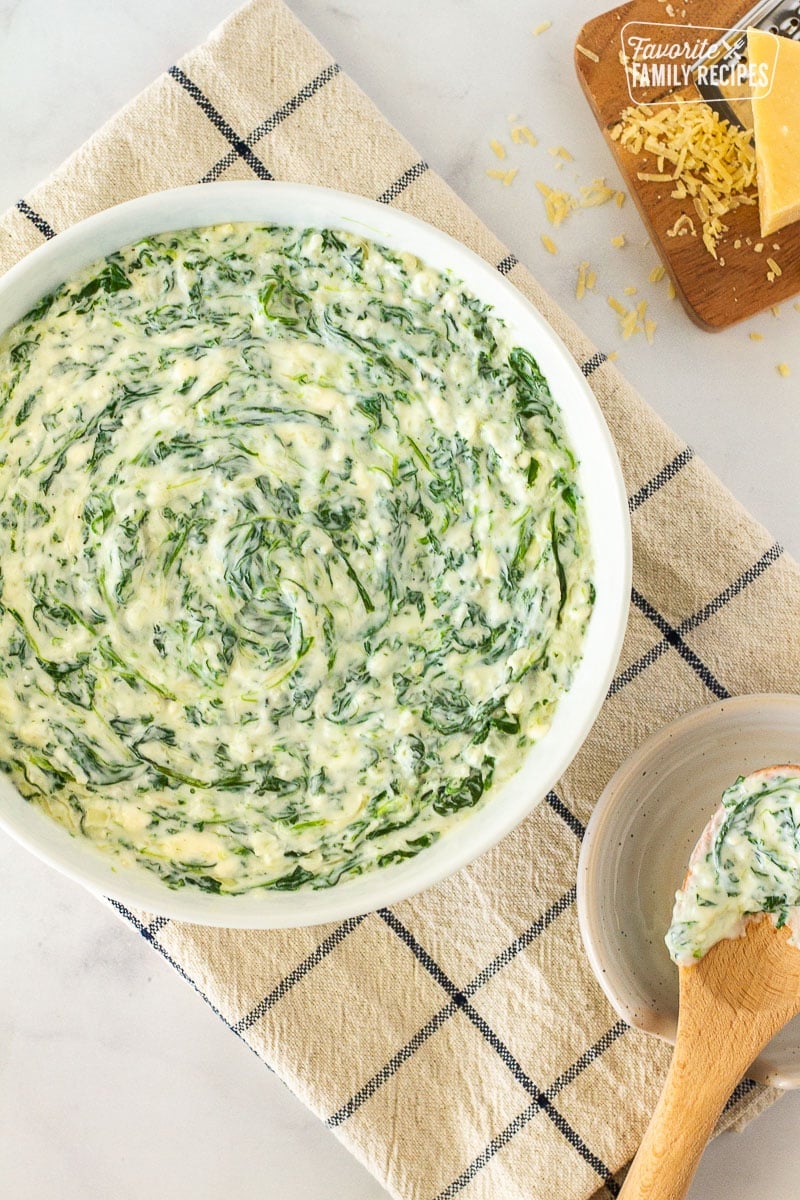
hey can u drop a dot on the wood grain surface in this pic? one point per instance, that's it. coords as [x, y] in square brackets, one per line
[715, 293]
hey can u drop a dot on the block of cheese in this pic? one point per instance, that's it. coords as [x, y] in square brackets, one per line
[775, 72]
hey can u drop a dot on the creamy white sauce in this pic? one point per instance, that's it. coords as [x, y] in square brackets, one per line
[294, 560]
[747, 862]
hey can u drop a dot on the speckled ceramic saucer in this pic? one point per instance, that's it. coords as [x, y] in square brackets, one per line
[637, 846]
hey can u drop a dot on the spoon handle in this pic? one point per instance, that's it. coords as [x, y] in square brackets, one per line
[731, 1003]
[693, 1097]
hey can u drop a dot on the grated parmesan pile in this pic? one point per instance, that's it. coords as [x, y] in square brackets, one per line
[709, 162]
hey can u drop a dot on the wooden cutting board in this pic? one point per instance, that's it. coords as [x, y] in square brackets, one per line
[714, 294]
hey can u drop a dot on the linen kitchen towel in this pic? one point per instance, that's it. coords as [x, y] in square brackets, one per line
[457, 1043]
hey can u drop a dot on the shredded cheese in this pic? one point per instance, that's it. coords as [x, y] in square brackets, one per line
[756, 337]
[557, 205]
[618, 241]
[549, 244]
[498, 148]
[597, 192]
[784, 370]
[682, 226]
[590, 54]
[714, 164]
[506, 177]
[543, 28]
[633, 320]
[521, 133]
[656, 275]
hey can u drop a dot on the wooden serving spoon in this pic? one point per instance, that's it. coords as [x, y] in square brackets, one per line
[731, 1003]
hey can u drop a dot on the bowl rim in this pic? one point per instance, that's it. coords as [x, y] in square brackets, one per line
[221, 203]
[619, 792]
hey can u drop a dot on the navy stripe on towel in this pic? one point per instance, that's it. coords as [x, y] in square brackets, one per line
[457, 1001]
[673, 638]
[514, 1127]
[593, 363]
[218, 121]
[392, 1066]
[507, 264]
[303, 968]
[399, 186]
[664, 475]
[745, 579]
[44, 227]
[504, 1053]
[569, 818]
[522, 942]
[266, 127]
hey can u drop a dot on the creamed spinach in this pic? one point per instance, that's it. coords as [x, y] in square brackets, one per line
[746, 862]
[294, 560]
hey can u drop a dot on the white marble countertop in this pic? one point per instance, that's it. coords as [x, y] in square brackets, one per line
[115, 1079]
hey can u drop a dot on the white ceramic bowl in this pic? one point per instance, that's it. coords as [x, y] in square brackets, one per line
[637, 846]
[600, 477]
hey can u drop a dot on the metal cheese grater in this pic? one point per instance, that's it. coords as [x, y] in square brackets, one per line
[731, 101]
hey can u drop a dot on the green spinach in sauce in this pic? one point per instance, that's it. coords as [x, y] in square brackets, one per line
[295, 565]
